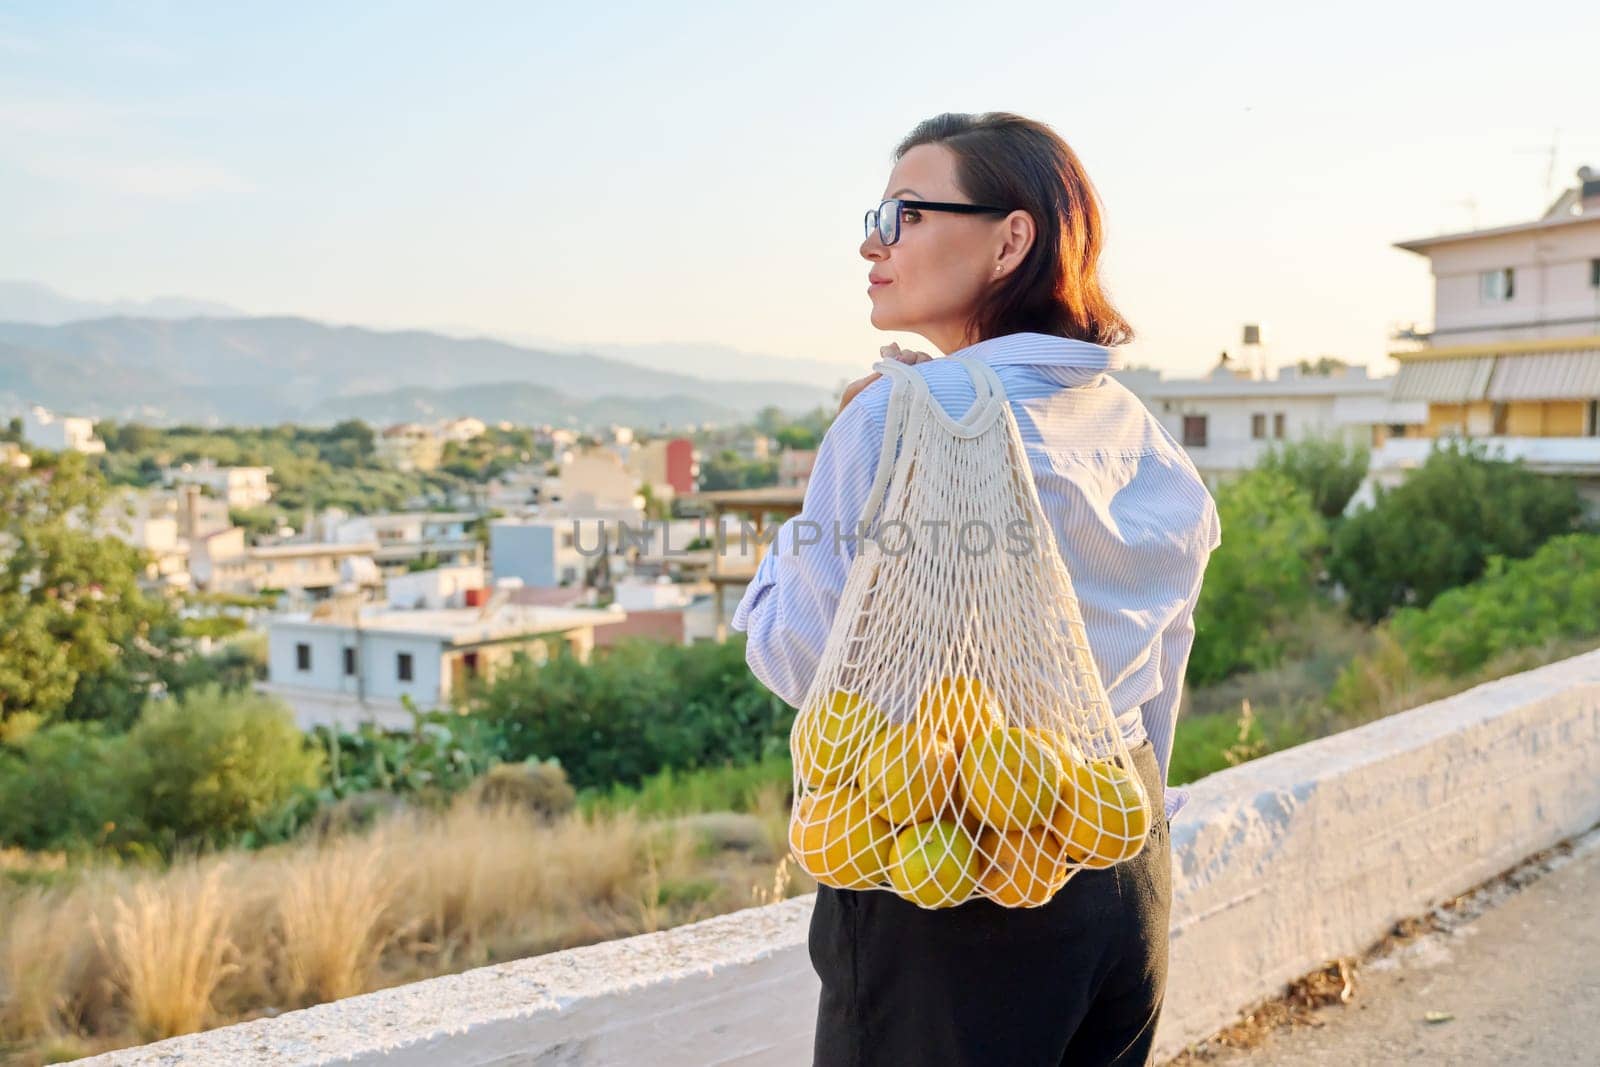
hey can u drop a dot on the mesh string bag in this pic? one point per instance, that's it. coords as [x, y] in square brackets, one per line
[956, 741]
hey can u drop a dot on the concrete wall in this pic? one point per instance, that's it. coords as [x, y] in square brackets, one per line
[1279, 865]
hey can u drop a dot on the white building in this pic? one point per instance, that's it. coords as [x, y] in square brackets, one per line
[592, 479]
[462, 430]
[441, 587]
[408, 446]
[406, 537]
[516, 490]
[42, 428]
[1513, 357]
[238, 487]
[223, 562]
[346, 663]
[128, 516]
[1228, 420]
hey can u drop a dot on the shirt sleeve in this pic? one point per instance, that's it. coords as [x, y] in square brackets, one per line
[788, 608]
[1160, 712]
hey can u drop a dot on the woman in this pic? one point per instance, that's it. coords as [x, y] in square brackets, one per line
[987, 244]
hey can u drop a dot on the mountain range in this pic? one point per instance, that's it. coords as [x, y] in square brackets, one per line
[233, 369]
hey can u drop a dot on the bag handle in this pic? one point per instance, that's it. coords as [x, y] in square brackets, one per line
[910, 399]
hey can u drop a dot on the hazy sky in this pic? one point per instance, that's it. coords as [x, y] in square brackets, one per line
[697, 171]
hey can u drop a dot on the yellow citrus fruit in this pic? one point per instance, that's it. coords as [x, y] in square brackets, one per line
[1024, 866]
[827, 738]
[1100, 818]
[1058, 741]
[908, 773]
[959, 707]
[838, 841]
[934, 864]
[1011, 778]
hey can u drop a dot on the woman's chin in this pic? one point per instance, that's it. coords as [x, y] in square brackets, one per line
[883, 319]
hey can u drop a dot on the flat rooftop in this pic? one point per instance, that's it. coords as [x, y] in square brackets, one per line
[462, 625]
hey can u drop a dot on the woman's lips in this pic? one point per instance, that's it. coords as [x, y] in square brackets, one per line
[877, 285]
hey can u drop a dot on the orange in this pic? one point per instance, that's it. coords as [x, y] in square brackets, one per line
[1101, 817]
[1011, 778]
[838, 841]
[908, 773]
[934, 864]
[828, 736]
[1025, 867]
[959, 707]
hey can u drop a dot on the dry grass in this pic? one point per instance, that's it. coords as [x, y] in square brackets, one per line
[168, 946]
[113, 956]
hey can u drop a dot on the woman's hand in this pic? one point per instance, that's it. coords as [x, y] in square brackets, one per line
[888, 351]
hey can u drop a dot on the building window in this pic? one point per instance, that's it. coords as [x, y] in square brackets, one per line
[1278, 421]
[402, 662]
[1594, 274]
[1593, 429]
[1194, 431]
[349, 661]
[1258, 426]
[302, 656]
[1497, 286]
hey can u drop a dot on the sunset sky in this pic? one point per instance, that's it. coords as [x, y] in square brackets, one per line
[698, 171]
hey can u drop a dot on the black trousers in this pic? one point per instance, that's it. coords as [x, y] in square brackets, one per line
[1078, 981]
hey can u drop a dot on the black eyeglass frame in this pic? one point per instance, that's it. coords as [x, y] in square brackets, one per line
[872, 219]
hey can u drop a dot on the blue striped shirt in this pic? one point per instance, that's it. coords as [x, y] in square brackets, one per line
[1131, 516]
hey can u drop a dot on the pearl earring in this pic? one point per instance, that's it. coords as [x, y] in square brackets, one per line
[997, 268]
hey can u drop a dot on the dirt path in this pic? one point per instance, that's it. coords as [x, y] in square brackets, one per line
[1516, 983]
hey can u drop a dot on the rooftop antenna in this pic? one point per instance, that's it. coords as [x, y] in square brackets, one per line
[1551, 152]
[1471, 204]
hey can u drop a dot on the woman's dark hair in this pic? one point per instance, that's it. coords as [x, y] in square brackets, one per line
[1015, 162]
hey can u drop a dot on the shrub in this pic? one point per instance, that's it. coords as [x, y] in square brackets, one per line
[1545, 603]
[1553, 594]
[1438, 528]
[536, 786]
[635, 709]
[1263, 573]
[211, 764]
[1328, 470]
[61, 787]
[438, 757]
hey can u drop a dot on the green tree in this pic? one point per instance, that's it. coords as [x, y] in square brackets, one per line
[1438, 528]
[800, 438]
[1323, 367]
[1259, 578]
[75, 629]
[1329, 470]
[212, 765]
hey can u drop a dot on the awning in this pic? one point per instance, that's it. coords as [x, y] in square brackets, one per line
[1571, 375]
[1459, 380]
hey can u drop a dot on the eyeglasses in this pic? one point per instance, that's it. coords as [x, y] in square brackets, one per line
[885, 218]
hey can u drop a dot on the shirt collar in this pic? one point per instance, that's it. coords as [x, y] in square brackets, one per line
[1061, 359]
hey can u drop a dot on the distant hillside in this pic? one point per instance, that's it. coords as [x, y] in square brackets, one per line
[265, 370]
[718, 361]
[523, 403]
[41, 305]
